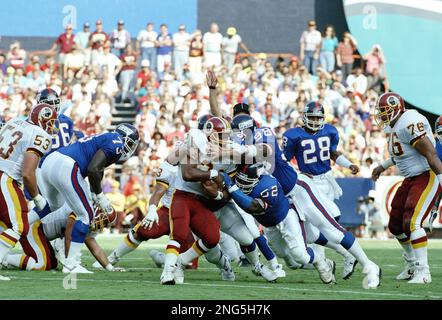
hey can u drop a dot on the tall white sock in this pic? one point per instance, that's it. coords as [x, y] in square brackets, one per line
[359, 254]
[338, 248]
[406, 245]
[197, 250]
[126, 246]
[253, 257]
[419, 242]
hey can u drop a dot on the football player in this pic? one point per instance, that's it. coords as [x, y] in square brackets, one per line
[261, 145]
[435, 211]
[411, 146]
[63, 176]
[22, 144]
[313, 146]
[156, 224]
[262, 196]
[39, 254]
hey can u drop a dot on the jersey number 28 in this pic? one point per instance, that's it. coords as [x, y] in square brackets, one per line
[310, 154]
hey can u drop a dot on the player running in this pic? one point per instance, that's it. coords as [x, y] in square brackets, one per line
[313, 146]
[261, 195]
[22, 144]
[435, 211]
[63, 179]
[411, 147]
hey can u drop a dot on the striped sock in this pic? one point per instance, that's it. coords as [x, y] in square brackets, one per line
[193, 252]
[405, 242]
[419, 242]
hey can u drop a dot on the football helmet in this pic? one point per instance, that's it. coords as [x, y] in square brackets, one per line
[44, 116]
[202, 120]
[247, 176]
[388, 107]
[438, 128]
[102, 220]
[130, 137]
[243, 127]
[314, 116]
[218, 131]
[50, 97]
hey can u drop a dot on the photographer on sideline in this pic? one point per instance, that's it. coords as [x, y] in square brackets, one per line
[374, 221]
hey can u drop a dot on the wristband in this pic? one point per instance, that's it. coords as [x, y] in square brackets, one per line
[233, 188]
[387, 163]
[213, 174]
[439, 176]
[343, 162]
[219, 196]
[213, 88]
[109, 267]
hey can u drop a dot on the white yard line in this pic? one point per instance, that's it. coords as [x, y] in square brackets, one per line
[373, 293]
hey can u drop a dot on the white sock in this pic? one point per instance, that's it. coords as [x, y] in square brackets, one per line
[338, 248]
[197, 250]
[406, 246]
[4, 251]
[170, 259]
[318, 249]
[252, 257]
[33, 217]
[419, 242]
[74, 252]
[359, 254]
[274, 263]
[126, 246]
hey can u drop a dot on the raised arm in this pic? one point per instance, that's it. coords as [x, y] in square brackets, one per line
[212, 82]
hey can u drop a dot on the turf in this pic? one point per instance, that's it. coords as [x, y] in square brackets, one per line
[141, 281]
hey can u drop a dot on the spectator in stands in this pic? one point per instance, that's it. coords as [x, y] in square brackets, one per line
[229, 47]
[310, 47]
[143, 76]
[16, 56]
[65, 42]
[97, 40]
[375, 60]
[146, 42]
[82, 41]
[74, 61]
[196, 54]
[164, 48]
[358, 81]
[377, 82]
[3, 65]
[181, 44]
[344, 54]
[109, 61]
[129, 63]
[120, 39]
[212, 41]
[328, 48]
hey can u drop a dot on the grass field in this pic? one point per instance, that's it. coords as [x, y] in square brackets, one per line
[141, 281]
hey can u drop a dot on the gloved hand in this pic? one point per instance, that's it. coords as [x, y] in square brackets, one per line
[230, 185]
[39, 202]
[150, 218]
[104, 203]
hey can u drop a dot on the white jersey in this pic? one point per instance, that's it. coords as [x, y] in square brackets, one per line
[54, 224]
[16, 138]
[407, 131]
[166, 175]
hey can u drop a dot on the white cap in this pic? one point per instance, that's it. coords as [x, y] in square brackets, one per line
[145, 63]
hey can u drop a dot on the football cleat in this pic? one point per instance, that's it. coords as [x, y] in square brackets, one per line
[326, 269]
[350, 263]
[279, 271]
[157, 257]
[421, 275]
[3, 278]
[433, 216]
[179, 273]
[265, 272]
[167, 276]
[227, 273]
[372, 280]
[113, 258]
[76, 269]
[410, 266]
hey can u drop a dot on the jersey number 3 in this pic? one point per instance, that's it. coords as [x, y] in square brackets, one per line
[310, 154]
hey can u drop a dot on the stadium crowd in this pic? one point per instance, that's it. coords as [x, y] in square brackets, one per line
[162, 73]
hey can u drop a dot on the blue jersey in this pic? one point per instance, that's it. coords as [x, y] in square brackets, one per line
[65, 127]
[85, 149]
[439, 149]
[280, 168]
[312, 151]
[277, 206]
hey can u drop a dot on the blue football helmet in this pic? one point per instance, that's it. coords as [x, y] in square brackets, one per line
[130, 137]
[247, 176]
[314, 116]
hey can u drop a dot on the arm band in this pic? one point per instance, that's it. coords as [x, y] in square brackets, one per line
[219, 196]
[213, 174]
[343, 162]
[387, 163]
